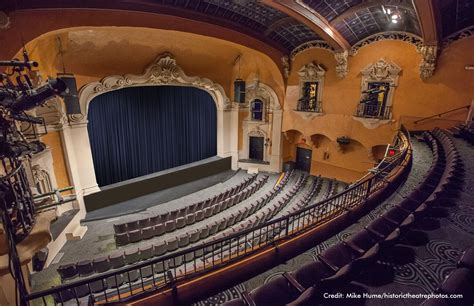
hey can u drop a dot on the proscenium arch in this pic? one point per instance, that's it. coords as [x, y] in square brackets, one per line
[164, 71]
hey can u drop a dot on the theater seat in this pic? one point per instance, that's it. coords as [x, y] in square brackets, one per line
[311, 273]
[460, 281]
[467, 259]
[277, 291]
[67, 271]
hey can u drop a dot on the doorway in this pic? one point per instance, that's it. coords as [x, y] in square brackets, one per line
[256, 148]
[303, 159]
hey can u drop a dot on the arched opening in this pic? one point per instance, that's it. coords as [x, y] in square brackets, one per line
[257, 109]
[140, 130]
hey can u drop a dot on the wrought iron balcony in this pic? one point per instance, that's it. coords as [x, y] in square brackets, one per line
[306, 106]
[373, 111]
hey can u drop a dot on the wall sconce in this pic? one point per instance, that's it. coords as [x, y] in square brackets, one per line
[268, 142]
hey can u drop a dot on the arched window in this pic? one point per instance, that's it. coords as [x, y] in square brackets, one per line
[257, 108]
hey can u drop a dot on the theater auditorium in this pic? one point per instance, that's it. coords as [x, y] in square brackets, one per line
[237, 152]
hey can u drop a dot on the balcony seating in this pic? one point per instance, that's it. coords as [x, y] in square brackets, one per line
[459, 281]
[278, 291]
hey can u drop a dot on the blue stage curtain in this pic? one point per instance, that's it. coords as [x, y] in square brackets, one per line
[140, 130]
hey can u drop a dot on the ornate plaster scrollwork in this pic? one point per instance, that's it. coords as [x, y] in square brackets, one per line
[382, 71]
[319, 44]
[286, 65]
[428, 62]
[341, 63]
[311, 72]
[163, 71]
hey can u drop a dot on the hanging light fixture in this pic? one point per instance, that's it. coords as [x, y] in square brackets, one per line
[239, 87]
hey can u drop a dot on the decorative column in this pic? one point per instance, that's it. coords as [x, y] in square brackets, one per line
[276, 159]
[76, 140]
[228, 134]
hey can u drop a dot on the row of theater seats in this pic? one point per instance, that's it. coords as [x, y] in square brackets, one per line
[194, 213]
[460, 281]
[465, 132]
[314, 189]
[70, 271]
[341, 262]
[266, 235]
[180, 213]
[258, 216]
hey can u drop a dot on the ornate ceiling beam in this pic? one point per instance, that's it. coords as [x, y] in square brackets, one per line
[303, 13]
[429, 19]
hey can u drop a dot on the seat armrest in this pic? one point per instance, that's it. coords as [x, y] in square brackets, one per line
[390, 220]
[248, 299]
[374, 232]
[293, 282]
[327, 263]
[354, 247]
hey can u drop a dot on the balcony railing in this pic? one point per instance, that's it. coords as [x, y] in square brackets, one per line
[373, 111]
[303, 106]
[162, 272]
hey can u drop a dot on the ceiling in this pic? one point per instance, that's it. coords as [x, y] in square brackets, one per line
[356, 19]
[456, 15]
[353, 20]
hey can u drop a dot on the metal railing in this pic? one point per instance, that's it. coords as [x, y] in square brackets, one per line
[442, 114]
[373, 111]
[157, 273]
[307, 107]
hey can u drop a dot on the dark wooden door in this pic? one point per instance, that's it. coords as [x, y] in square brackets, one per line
[303, 159]
[256, 148]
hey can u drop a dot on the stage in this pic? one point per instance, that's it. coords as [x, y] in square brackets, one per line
[140, 193]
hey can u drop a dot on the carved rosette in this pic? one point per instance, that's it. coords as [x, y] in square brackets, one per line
[341, 63]
[428, 62]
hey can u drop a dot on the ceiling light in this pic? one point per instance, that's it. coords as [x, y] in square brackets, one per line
[389, 11]
[394, 21]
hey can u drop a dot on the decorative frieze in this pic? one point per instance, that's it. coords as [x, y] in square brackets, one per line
[394, 35]
[320, 44]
